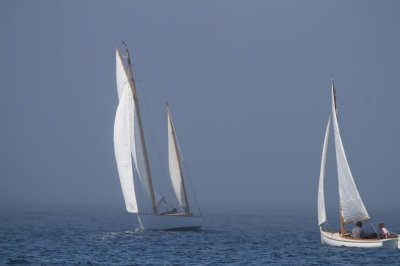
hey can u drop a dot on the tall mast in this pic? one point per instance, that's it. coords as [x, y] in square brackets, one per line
[179, 159]
[137, 109]
[342, 227]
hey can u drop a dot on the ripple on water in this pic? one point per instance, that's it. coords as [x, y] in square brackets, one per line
[230, 239]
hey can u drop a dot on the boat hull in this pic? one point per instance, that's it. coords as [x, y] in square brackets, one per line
[177, 222]
[336, 240]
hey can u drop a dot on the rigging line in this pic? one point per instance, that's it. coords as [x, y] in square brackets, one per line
[373, 227]
[152, 130]
[147, 114]
[192, 188]
[390, 231]
[327, 225]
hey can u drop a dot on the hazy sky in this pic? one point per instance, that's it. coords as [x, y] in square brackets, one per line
[249, 87]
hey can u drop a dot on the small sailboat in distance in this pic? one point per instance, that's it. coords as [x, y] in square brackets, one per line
[352, 209]
[133, 163]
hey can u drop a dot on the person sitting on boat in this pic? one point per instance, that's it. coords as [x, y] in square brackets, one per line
[383, 232]
[357, 231]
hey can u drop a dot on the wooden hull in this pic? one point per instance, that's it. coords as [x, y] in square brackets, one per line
[336, 240]
[178, 222]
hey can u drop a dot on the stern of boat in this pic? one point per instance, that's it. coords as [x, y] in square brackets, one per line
[391, 243]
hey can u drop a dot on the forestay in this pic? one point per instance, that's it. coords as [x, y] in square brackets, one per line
[321, 196]
[351, 204]
[174, 164]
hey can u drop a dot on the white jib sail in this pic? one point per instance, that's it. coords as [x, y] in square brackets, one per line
[351, 203]
[122, 146]
[321, 196]
[174, 167]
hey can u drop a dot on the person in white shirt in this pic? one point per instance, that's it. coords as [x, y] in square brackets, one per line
[357, 231]
[383, 232]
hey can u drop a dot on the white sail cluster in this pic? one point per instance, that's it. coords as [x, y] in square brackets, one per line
[127, 132]
[123, 138]
[351, 204]
[129, 146]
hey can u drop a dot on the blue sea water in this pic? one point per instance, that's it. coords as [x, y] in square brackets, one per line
[108, 237]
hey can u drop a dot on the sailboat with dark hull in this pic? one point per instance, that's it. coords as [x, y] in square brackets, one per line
[352, 208]
[133, 161]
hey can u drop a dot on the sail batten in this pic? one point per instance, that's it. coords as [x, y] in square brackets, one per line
[321, 196]
[351, 204]
[175, 168]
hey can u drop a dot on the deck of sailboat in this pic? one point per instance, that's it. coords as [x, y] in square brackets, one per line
[183, 214]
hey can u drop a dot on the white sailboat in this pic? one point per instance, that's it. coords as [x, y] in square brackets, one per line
[352, 208]
[133, 163]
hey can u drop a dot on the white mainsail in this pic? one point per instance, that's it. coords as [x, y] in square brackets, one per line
[321, 196]
[351, 204]
[122, 147]
[175, 169]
